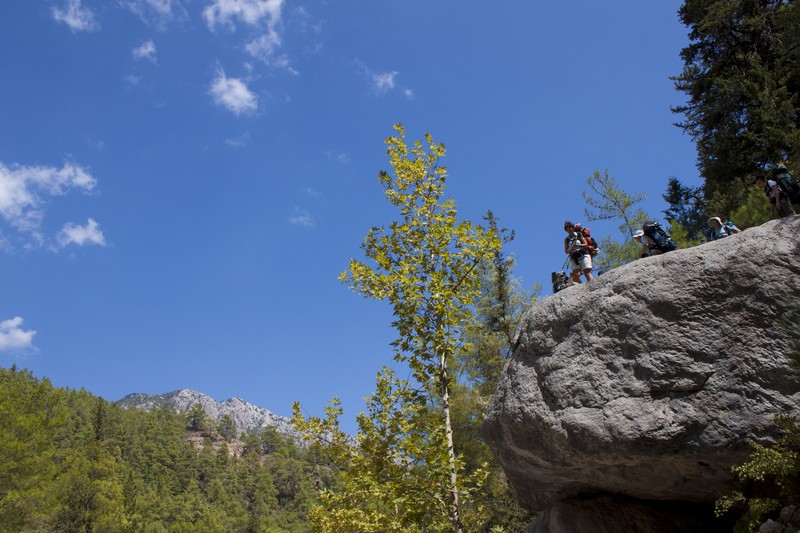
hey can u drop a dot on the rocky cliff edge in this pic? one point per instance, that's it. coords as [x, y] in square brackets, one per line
[644, 385]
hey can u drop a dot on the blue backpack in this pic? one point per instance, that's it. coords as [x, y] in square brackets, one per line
[725, 231]
[654, 230]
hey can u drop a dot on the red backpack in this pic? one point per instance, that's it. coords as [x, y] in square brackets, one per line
[592, 244]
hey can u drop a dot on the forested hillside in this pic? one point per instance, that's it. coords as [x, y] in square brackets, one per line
[71, 461]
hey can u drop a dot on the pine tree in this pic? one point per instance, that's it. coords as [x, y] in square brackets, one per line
[687, 208]
[30, 414]
[607, 201]
[741, 75]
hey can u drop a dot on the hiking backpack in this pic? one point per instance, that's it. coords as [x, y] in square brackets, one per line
[787, 184]
[560, 281]
[591, 249]
[654, 230]
[725, 231]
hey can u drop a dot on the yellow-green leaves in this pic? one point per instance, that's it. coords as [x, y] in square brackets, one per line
[404, 474]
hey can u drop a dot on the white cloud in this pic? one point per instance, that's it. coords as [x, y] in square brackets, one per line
[81, 235]
[341, 157]
[241, 140]
[23, 188]
[250, 12]
[384, 82]
[263, 15]
[300, 217]
[147, 51]
[264, 46]
[158, 13]
[133, 79]
[13, 337]
[232, 94]
[77, 17]
[97, 144]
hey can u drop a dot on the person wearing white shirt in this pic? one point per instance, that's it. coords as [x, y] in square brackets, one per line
[781, 204]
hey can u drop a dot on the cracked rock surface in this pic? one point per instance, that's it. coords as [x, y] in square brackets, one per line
[648, 381]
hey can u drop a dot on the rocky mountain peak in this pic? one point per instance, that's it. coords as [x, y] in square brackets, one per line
[246, 417]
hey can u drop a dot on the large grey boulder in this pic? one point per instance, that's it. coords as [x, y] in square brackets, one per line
[648, 381]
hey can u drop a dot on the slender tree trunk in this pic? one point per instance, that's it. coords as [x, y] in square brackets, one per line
[455, 507]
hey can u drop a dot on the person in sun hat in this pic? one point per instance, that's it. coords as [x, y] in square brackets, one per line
[720, 230]
[649, 246]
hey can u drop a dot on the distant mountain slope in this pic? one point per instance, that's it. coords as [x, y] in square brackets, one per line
[246, 416]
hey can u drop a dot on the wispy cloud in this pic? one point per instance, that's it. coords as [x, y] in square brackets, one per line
[97, 144]
[81, 235]
[147, 50]
[341, 157]
[312, 192]
[132, 79]
[300, 217]
[232, 94]
[263, 17]
[263, 47]
[240, 140]
[77, 17]
[13, 337]
[157, 13]
[383, 82]
[23, 192]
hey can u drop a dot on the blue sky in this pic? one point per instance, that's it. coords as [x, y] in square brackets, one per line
[181, 181]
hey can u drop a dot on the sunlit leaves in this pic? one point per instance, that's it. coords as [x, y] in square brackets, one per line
[404, 474]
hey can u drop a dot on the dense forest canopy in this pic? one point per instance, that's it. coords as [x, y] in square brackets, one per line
[71, 461]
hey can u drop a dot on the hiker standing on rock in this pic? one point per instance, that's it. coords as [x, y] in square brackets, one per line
[649, 246]
[780, 202]
[720, 230]
[575, 246]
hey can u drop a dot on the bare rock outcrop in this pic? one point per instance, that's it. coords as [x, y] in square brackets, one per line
[246, 417]
[646, 383]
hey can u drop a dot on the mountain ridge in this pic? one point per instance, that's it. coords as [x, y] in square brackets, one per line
[246, 417]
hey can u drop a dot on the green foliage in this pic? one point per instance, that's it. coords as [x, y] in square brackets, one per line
[425, 265]
[687, 210]
[769, 479]
[405, 475]
[70, 461]
[226, 428]
[741, 75]
[489, 342]
[395, 476]
[606, 201]
[753, 210]
[682, 238]
[197, 419]
[30, 414]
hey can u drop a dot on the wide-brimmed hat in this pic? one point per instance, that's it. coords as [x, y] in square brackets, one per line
[719, 220]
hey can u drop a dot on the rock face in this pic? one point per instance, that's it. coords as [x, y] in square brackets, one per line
[647, 382]
[246, 416]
